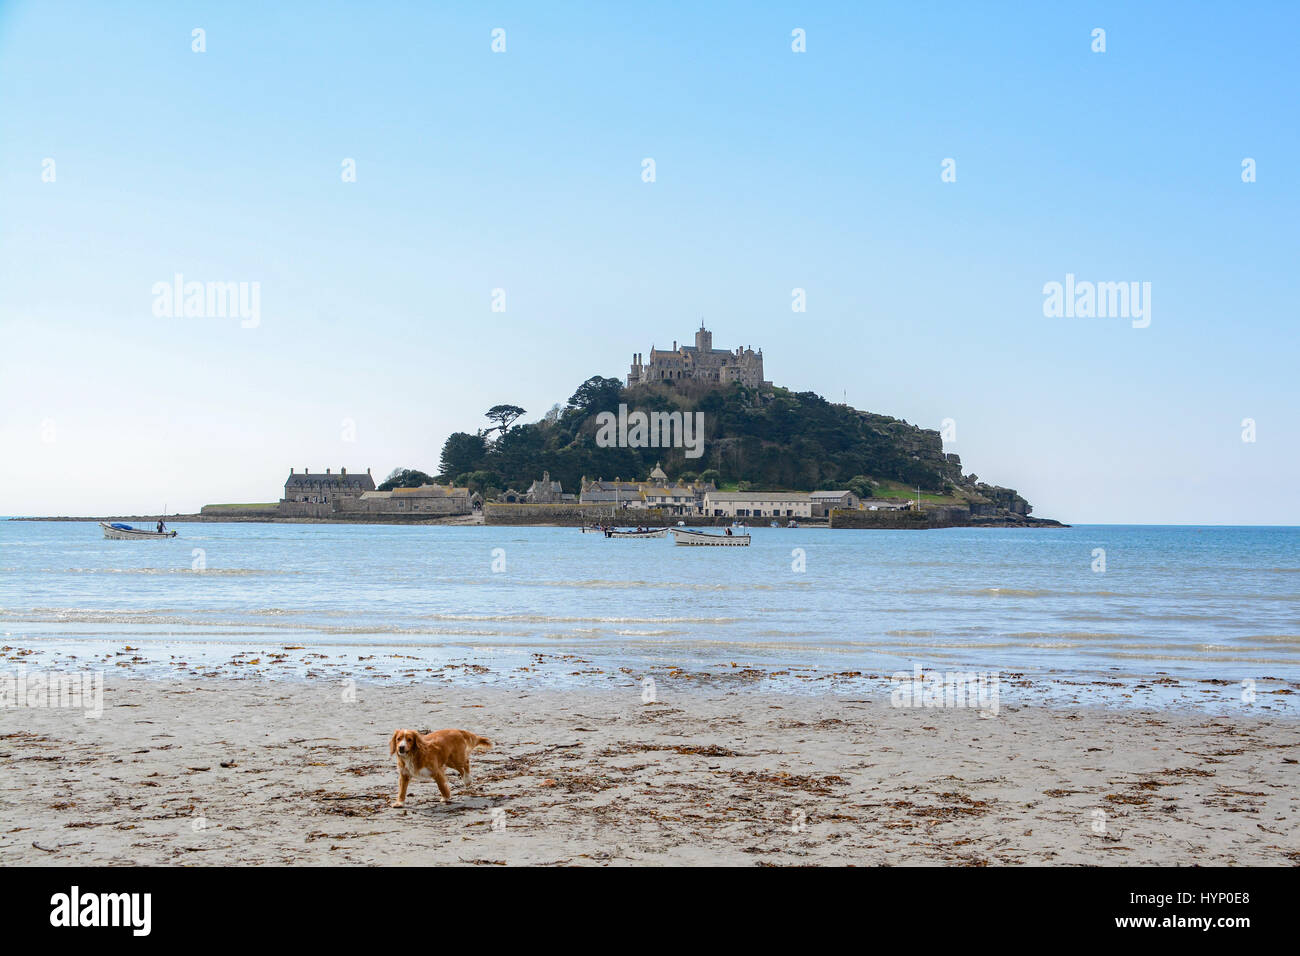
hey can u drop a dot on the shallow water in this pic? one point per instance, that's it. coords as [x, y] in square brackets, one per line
[1200, 604]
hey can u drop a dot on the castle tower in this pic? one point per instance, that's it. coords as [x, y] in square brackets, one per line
[704, 339]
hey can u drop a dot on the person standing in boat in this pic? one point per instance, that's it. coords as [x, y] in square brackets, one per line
[161, 527]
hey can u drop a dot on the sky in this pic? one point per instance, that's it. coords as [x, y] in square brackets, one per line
[127, 158]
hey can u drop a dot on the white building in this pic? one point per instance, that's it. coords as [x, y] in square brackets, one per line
[758, 504]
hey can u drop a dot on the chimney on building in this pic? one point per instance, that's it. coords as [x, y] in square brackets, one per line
[327, 471]
[343, 472]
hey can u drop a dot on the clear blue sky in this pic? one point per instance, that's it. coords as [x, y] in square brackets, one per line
[522, 171]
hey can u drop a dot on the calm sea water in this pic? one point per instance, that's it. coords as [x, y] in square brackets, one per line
[1195, 603]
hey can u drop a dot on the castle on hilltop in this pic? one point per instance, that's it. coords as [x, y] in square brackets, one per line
[700, 362]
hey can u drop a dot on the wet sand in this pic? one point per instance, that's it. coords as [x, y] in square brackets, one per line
[239, 771]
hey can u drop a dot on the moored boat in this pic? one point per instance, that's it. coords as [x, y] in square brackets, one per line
[648, 533]
[690, 536]
[125, 532]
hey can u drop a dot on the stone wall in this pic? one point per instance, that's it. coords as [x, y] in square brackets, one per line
[948, 516]
[880, 520]
[304, 509]
[942, 516]
[574, 514]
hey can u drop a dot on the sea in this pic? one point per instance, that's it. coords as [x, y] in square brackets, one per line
[1128, 615]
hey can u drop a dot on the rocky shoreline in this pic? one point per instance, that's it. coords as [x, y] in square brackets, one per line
[975, 521]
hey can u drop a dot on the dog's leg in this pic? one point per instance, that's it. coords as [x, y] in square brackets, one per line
[402, 781]
[440, 776]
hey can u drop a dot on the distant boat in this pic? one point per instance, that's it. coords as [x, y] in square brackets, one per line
[652, 533]
[124, 532]
[690, 536]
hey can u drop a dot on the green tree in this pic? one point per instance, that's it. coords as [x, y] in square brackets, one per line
[597, 394]
[405, 478]
[504, 416]
[462, 452]
[861, 485]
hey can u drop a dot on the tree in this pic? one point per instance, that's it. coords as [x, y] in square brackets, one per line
[481, 481]
[862, 486]
[405, 478]
[504, 416]
[462, 452]
[597, 394]
[710, 475]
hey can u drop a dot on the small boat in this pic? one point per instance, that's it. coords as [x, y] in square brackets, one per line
[594, 529]
[648, 533]
[690, 536]
[124, 532]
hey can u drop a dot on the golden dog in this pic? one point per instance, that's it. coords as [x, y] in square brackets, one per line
[427, 755]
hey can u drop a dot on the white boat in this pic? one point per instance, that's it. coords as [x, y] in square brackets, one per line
[650, 533]
[124, 532]
[706, 538]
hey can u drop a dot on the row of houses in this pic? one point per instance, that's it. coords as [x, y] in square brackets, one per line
[703, 498]
[310, 494]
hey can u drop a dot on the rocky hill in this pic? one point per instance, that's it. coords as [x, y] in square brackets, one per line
[771, 438]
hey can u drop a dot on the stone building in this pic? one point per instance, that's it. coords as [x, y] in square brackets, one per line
[309, 494]
[823, 502]
[320, 488]
[616, 493]
[424, 500]
[330, 495]
[700, 362]
[544, 492]
[679, 498]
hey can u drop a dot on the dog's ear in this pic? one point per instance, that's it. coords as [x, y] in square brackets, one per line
[392, 742]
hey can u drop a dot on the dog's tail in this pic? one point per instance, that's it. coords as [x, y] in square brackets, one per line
[481, 743]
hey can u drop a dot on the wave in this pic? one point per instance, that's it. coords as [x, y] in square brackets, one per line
[600, 584]
[547, 619]
[207, 572]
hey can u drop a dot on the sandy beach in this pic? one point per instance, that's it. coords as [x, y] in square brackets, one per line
[234, 771]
